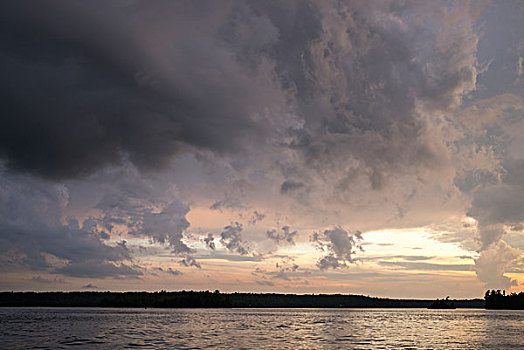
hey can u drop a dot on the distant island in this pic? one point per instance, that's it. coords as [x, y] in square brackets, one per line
[216, 299]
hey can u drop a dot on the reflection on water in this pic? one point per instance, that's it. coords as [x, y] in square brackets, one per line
[260, 328]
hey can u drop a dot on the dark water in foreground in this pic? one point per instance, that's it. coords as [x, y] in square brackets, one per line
[27, 328]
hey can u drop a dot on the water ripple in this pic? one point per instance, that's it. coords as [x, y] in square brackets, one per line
[62, 328]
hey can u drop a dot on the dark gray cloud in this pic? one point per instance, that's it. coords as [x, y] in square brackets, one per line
[468, 180]
[285, 268]
[502, 46]
[31, 228]
[85, 86]
[89, 86]
[257, 217]
[210, 241]
[500, 202]
[231, 238]
[465, 257]
[139, 207]
[169, 270]
[189, 261]
[496, 188]
[167, 227]
[227, 203]
[496, 206]
[286, 235]
[360, 78]
[173, 272]
[289, 186]
[35, 227]
[339, 246]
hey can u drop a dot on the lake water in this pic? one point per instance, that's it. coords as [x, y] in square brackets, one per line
[83, 328]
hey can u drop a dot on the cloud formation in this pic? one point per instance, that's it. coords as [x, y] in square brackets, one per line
[189, 261]
[286, 236]
[119, 118]
[231, 238]
[285, 270]
[493, 262]
[493, 179]
[102, 90]
[357, 79]
[32, 233]
[339, 246]
[209, 240]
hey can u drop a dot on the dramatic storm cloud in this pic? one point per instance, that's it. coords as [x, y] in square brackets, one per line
[226, 137]
[106, 82]
[33, 236]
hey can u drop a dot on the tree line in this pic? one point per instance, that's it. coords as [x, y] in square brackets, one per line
[496, 299]
[216, 299]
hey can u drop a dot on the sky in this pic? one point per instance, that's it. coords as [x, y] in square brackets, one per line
[364, 147]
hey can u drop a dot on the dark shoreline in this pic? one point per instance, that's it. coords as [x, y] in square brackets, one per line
[207, 299]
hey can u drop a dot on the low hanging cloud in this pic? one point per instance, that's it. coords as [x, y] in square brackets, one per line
[286, 235]
[169, 270]
[209, 240]
[168, 226]
[257, 217]
[286, 270]
[496, 207]
[497, 192]
[139, 207]
[339, 245]
[190, 261]
[231, 238]
[132, 204]
[31, 229]
[33, 232]
[493, 262]
[290, 186]
[173, 272]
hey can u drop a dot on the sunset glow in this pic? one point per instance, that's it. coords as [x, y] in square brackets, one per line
[363, 147]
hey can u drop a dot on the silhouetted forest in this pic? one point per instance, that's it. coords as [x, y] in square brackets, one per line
[443, 304]
[499, 300]
[207, 299]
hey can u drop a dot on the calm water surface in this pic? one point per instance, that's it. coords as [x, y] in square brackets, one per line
[58, 328]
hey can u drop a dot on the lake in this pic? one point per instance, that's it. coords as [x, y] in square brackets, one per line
[96, 328]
